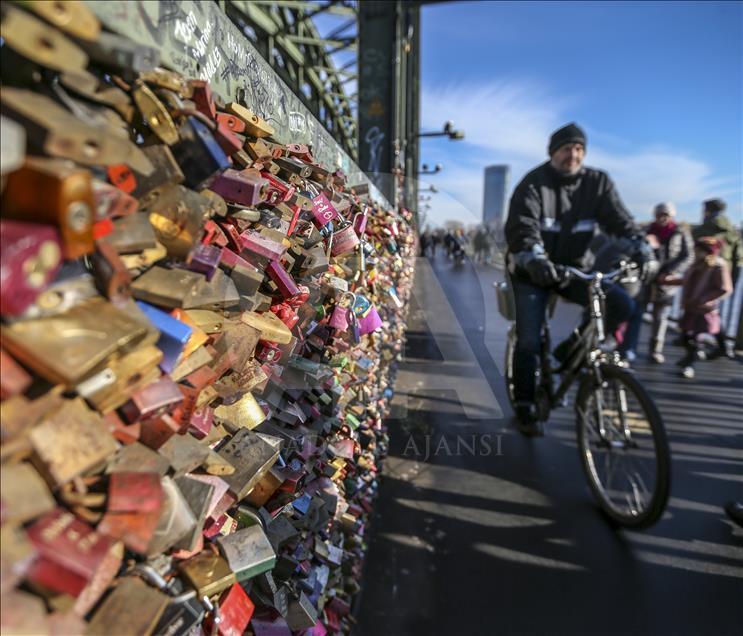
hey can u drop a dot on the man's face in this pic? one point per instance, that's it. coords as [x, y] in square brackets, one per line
[662, 219]
[568, 159]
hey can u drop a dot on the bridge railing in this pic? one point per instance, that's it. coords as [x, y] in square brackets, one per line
[198, 39]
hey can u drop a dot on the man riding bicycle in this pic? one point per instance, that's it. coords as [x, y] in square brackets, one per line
[553, 215]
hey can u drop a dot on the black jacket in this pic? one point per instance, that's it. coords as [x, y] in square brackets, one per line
[563, 213]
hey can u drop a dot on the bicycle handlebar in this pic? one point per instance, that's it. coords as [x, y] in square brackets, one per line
[571, 272]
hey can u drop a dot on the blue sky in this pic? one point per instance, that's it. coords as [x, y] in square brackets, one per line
[656, 85]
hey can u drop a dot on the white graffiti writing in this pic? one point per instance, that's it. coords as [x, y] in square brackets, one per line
[374, 138]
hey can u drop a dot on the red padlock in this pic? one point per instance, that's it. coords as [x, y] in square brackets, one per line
[286, 314]
[267, 352]
[277, 190]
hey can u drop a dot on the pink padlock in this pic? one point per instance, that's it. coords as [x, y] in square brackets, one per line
[359, 223]
[370, 322]
[323, 210]
[342, 312]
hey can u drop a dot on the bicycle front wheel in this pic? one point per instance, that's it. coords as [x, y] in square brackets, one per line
[508, 363]
[623, 447]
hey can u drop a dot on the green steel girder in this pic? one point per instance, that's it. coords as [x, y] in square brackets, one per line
[290, 42]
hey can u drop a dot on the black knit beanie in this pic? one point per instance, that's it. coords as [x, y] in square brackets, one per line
[570, 134]
[714, 206]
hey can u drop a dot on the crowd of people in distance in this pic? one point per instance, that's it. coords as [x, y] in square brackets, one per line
[479, 243]
[700, 264]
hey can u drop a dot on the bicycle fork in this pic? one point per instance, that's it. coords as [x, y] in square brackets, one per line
[622, 410]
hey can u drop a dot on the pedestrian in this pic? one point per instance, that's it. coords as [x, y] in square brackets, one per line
[479, 245]
[425, 243]
[718, 225]
[706, 283]
[674, 254]
[435, 240]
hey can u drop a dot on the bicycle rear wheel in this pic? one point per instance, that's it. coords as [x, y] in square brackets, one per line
[623, 447]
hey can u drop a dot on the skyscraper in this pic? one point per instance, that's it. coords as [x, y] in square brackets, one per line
[496, 189]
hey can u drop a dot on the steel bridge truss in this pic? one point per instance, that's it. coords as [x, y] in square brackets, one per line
[321, 70]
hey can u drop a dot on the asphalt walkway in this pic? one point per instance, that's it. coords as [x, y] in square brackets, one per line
[478, 530]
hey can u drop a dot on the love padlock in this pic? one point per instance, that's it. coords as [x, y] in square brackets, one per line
[344, 240]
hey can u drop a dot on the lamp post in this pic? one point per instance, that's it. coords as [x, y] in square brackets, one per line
[436, 169]
[448, 131]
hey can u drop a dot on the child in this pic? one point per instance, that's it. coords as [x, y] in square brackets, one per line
[706, 283]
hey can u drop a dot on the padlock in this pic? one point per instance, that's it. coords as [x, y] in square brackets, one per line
[340, 316]
[244, 187]
[37, 41]
[198, 154]
[163, 78]
[30, 256]
[301, 151]
[203, 98]
[208, 573]
[344, 239]
[176, 519]
[323, 210]
[111, 276]
[205, 259]
[152, 400]
[154, 113]
[258, 245]
[54, 192]
[177, 216]
[54, 131]
[286, 314]
[132, 508]
[235, 611]
[115, 615]
[235, 124]
[254, 125]
[72, 556]
[244, 413]
[165, 287]
[248, 552]
[277, 190]
[121, 55]
[252, 455]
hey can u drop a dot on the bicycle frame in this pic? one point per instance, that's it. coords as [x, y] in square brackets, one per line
[593, 334]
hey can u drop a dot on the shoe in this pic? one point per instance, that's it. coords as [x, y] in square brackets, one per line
[688, 372]
[527, 422]
[734, 510]
[657, 358]
[629, 355]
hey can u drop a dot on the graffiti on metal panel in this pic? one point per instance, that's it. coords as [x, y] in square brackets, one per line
[198, 40]
[374, 138]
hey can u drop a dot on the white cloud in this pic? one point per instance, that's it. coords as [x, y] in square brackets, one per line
[510, 122]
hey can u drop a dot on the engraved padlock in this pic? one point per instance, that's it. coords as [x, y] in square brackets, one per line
[345, 239]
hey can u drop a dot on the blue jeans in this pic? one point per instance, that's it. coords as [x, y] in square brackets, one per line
[531, 305]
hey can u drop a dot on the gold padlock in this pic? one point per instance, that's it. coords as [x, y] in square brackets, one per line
[39, 42]
[155, 114]
[254, 125]
[72, 16]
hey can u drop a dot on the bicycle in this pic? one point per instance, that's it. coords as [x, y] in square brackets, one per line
[615, 416]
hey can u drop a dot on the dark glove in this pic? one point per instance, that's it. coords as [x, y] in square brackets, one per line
[642, 252]
[542, 271]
